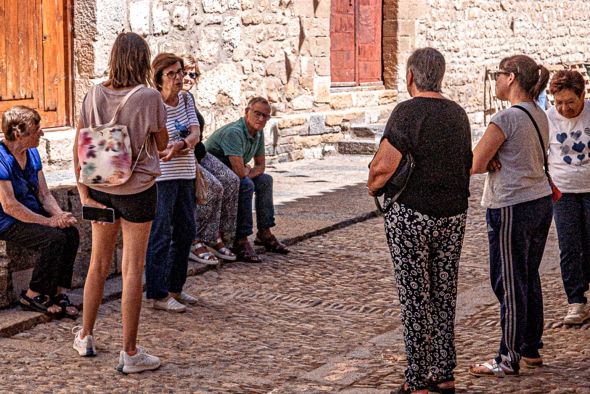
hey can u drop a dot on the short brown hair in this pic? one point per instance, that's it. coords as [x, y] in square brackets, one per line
[162, 61]
[129, 64]
[17, 121]
[190, 62]
[567, 79]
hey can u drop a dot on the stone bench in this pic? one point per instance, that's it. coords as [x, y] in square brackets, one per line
[16, 264]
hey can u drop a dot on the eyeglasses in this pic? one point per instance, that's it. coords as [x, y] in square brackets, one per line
[261, 115]
[174, 74]
[193, 75]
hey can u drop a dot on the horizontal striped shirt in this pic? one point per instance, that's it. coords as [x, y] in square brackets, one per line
[178, 121]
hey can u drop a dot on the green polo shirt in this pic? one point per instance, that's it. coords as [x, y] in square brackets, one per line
[233, 139]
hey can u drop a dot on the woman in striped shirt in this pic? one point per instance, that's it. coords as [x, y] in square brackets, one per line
[173, 229]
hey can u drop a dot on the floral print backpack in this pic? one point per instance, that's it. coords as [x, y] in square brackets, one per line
[104, 151]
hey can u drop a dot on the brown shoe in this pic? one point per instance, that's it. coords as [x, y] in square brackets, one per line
[245, 253]
[272, 244]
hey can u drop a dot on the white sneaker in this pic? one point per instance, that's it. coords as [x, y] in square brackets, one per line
[576, 314]
[84, 347]
[185, 298]
[169, 304]
[141, 361]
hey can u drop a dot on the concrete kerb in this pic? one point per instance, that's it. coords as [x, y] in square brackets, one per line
[14, 321]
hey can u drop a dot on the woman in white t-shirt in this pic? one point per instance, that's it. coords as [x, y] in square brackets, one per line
[569, 165]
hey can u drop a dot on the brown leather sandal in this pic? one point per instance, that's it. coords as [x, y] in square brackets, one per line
[245, 253]
[272, 244]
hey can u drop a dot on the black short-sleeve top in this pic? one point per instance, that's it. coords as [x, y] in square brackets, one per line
[437, 133]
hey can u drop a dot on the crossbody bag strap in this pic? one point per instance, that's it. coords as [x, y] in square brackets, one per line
[540, 139]
[123, 102]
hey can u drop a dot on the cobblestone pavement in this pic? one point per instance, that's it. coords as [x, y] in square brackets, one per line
[323, 319]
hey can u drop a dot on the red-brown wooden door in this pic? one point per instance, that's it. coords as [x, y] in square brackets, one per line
[34, 58]
[355, 35]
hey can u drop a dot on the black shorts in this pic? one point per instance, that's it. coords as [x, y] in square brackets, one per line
[135, 208]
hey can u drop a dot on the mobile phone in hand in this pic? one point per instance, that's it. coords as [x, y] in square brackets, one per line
[105, 215]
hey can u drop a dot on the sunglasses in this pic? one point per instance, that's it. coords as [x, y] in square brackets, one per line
[497, 73]
[193, 75]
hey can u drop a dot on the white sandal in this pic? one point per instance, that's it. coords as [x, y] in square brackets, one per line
[223, 253]
[203, 257]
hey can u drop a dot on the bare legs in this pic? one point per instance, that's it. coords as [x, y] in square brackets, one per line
[104, 237]
[135, 241]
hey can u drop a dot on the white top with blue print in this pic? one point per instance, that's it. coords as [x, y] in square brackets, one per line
[569, 150]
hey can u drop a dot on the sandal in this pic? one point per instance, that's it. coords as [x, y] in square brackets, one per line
[221, 251]
[201, 254]
[272, 244]
[245, 253]
[434, 386]
[534, 362]
[492, 369]
[64, 302]
[39, 303]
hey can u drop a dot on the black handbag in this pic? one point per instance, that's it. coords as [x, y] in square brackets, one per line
[396, 184]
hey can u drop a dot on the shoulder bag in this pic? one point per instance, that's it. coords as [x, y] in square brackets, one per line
[396, 184]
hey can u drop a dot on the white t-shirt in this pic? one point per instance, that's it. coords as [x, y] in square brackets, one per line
[178, 121]
[569, 150]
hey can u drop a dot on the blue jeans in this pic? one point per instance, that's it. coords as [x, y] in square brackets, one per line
[517, 236]
[572, 220]
[173, 231]
[265, 212]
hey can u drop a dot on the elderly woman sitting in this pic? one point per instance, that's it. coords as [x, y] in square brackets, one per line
[31, 218]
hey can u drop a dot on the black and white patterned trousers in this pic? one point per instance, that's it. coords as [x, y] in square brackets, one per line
[219, 214]
[425, 252]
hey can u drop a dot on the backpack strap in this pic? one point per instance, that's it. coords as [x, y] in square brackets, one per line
[92, 98]
[123, 102]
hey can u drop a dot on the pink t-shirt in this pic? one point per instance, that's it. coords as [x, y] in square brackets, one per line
[143, 113]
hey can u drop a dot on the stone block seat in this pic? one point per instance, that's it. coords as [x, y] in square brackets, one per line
[16, 263]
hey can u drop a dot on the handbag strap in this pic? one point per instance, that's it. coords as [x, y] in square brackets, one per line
[546, 167]
[119, 107]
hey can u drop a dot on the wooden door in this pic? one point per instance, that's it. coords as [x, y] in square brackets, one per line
[342, 35]
[368, 40]
[35, 58]
[355, 36]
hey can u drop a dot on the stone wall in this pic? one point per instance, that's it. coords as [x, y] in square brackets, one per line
[276, 48]
[473, 34]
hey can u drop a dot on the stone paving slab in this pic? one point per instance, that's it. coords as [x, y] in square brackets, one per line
[322, 319]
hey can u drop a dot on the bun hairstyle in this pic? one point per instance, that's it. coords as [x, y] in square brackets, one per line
[530, 76]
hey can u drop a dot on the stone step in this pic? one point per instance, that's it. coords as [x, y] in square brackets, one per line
[367, 131]
[357, 147]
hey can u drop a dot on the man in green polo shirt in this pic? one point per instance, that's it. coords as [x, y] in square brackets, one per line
[236, 144]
